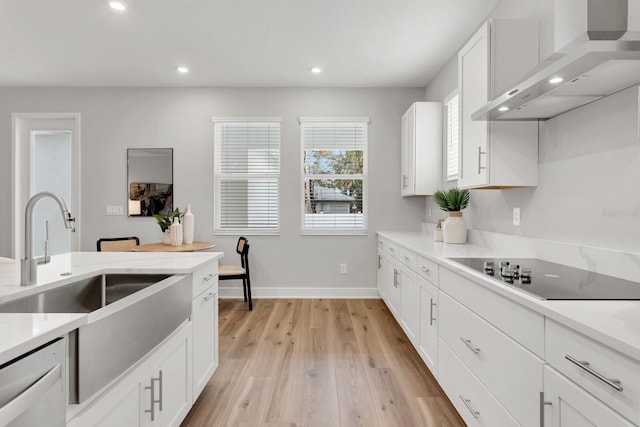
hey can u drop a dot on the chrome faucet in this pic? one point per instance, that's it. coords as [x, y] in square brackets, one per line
[29, 265]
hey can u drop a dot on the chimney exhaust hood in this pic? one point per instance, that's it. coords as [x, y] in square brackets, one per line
[603, 59]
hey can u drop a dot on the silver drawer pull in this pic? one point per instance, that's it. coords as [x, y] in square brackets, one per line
[423, 268]
[209, 277]
[391, 249]
[467, 403]
[431, 318]
[208, 297]
[468, 343]
[405, 257]
[613, 383]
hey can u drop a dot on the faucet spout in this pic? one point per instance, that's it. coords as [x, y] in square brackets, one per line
[29, 264]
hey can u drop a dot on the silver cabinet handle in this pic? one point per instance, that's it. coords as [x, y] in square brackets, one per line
[160, 393]
[423, 268]
[469, 344]
[404, 181]
[584, 365]
[467, 403]
[152, 388]
[404, 257]
[21, 403]
[208, 297]
[431, 318]
[209, 277]
[391, 248]
[379, 262]
[480, 153]
[543, 403]
[395, 278]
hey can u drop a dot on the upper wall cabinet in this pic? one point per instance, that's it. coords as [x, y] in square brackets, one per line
[496, 154]
[421, 149]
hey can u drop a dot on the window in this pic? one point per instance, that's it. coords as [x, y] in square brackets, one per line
[246, 176]
[334, 182]
[451, 104]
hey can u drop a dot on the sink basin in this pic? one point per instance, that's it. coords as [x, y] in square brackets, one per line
[128, 316]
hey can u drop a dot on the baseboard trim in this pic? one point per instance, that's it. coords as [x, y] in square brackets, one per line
[343, 293]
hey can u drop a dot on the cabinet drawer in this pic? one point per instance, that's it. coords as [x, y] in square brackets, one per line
[515, 320]
[563, 343]
[204, 277]
[501, 364]
[472, 400]
[427, 269]
[407, 257]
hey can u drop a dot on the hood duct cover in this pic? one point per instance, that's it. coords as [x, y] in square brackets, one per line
[582, 71]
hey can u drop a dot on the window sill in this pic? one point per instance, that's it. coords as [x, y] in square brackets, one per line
[334, 232]
[246, 232]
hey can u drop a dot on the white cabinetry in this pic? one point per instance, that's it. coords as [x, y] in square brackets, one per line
[428, 343]
[568, 405]
[421, 149]
[496, 154]
[409, 302]
[204, 317]
[155, 393]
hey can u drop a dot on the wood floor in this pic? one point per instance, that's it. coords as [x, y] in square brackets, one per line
[318, 362]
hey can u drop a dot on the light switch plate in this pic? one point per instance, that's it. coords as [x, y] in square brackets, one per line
[516, 216]
[115, 210]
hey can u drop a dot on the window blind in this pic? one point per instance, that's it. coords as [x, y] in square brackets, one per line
[334, 177]
[452, 138]
[247, 175]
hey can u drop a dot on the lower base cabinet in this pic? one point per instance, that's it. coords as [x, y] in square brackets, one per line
[204, 319]
[428, 347]
[155, 393]
[565, 404]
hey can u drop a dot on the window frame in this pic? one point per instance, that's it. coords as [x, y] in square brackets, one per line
[364, 176]
[219, 177]
[447, 132]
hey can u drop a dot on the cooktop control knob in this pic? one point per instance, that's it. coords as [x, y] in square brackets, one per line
[488, 267]
[509, 272]
[525, 276]
[503, 266]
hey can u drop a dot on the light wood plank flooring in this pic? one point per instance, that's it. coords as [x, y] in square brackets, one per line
[318, 362]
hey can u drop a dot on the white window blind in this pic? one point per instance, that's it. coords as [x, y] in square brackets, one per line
[334, 183]
[247, 175]
[452, 136]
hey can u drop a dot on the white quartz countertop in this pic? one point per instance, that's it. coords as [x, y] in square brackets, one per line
[22, 332]
[613, 323]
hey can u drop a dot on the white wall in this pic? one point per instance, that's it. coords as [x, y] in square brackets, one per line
[589, 166]
[116, 119]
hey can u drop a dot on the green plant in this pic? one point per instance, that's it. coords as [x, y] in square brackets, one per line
[454, 199]
[165, 221]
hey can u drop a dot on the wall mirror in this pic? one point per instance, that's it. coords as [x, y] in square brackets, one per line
[150, 181]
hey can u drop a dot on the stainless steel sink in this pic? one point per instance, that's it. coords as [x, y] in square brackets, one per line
[128, 315]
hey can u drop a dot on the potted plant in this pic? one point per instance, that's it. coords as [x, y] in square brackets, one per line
[453, 201]
[165, 221]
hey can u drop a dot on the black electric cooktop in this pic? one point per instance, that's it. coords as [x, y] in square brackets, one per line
[551, 281]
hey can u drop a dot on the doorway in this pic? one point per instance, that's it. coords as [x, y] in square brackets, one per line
[46, 157]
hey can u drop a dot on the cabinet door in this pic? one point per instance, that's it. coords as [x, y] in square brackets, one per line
[409, 302]
[407, 151]
[124, 405]
[393, 289]
[473, 82]
[568, 405]
[204, 321]
[383, 274]
[428, 347]
[170, 369]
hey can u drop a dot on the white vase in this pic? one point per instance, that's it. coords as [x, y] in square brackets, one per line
[187, 226]
[454, 229]
[176, 233]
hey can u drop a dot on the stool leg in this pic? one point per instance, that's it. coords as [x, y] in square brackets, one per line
[249, 293]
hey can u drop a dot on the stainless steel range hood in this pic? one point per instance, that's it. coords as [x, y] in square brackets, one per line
[602, 59]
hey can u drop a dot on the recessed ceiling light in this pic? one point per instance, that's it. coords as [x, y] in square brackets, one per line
[316, 70]
[118, 5]
[503, 109]
[182, 69]
[556, 80]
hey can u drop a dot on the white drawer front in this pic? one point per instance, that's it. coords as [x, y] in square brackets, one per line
[602, 361]
[204, 277]
[407, 257]
[511, 372]
[521, 324]
[472, 400]
[428, 269]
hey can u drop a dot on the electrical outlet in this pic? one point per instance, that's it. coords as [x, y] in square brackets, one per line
[516, 216]
[343, 268]
[430, 211]
[115, 210]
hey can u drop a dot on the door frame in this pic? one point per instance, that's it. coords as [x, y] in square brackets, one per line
[18, 122]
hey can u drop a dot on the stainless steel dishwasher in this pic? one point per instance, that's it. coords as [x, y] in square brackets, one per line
[32, 388]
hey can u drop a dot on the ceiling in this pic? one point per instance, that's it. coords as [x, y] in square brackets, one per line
[232, 43]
